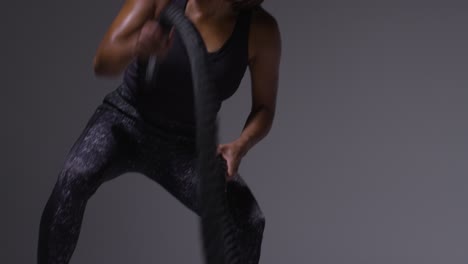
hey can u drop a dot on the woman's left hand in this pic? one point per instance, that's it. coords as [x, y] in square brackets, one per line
[232, 153]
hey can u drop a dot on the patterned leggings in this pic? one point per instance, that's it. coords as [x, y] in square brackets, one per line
[115, 141]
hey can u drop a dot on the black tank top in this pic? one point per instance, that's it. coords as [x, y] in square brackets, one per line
[172, 95]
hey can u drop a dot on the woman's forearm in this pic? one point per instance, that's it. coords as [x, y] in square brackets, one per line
[119, 45]
[257, 126]
[112, 58]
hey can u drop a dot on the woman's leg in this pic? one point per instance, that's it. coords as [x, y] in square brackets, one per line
[177, 174]
[101, 153]
[248, 217]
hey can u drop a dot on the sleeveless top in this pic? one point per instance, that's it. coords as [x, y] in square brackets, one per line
[172, 96]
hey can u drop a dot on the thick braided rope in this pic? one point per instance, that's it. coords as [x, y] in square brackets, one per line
[217, 228]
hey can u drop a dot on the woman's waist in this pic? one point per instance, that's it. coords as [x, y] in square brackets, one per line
[151, 115]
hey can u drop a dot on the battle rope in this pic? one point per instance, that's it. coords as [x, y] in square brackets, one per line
[217, 228]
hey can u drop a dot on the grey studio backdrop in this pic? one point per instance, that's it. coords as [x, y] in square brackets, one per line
[366, 162]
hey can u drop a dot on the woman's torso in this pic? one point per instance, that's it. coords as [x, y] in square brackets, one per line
[171, 96]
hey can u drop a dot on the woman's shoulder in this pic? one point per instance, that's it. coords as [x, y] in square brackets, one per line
[263, 26]
[263, 20]
[264, 32]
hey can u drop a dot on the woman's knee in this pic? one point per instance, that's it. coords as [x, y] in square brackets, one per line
[77, 181]
[258, 220]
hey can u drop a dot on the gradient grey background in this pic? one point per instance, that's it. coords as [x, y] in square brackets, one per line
[366, 162]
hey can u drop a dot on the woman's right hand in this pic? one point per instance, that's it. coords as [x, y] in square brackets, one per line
[153, 40]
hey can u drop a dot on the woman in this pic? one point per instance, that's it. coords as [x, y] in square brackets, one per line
[152, 131]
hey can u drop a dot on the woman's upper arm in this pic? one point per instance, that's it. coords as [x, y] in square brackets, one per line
[116, 47]
[131, 17]
[264, 60]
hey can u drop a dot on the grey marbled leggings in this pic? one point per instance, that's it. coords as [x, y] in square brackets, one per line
[117, 140]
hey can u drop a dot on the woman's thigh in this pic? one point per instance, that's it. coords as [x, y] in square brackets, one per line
[174, 168]
[103, 151]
